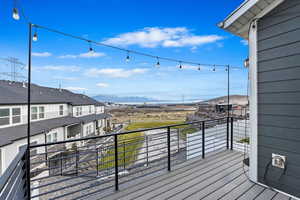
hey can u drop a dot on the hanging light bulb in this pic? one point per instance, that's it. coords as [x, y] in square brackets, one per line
[127, 57]
[16, 15]
[158, 63]
[35, 37]
[90, 47]
[214, 69]
[199, 68]
[180, 65]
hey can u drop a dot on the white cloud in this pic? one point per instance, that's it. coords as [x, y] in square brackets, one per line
[244, 42]
[165, 37]
[76, 88]
[90, 54]
[115, 72]
[102, 85]
[70, 68]
[41, 54]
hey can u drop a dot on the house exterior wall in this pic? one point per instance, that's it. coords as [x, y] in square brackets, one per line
[10, 151]
[50, 111]
[278, 89]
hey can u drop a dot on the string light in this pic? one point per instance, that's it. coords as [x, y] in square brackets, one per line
[158, 63]
[90, 47]
[127, 57]
[35, 36]
[199, 68]
[214, 69]
[180, 65]
[16, 15]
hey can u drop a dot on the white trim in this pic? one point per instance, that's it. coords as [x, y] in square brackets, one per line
[237, 13]
[241, 11]
[286, 194]
[265, 11]
[253, 100]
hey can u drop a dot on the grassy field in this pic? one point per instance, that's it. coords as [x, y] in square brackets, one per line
[129, 144]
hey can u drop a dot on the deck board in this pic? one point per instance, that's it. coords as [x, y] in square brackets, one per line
[219, 176]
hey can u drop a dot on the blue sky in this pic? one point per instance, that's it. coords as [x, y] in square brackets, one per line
[172, 28]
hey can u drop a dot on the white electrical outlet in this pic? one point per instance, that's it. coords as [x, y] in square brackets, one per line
[278, 161]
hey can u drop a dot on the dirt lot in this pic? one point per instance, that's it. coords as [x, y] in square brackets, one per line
[147, 115]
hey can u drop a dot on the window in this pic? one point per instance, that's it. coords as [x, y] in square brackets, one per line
[41, 112]
[4, 116]
[80, 110]
[16, 115]
[48, 138]
[34, 113]
[77, 111]
[51, 137]
[61, 110]
[90, 109]
[55, 137]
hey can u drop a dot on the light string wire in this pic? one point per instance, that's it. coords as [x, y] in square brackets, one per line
[127, 51]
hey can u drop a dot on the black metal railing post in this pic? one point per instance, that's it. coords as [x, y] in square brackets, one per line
[61, 163]
[169, 149]
[231, 134]
[178, 135]
[77, 160]
[116, 163]
[147, 150]
[97, 161]
[124, 155]
[203, 139]
[227, 134]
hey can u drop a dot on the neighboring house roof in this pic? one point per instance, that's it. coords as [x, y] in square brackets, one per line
[11, 134]
[16, 93]
[238, 21]
[93, 117]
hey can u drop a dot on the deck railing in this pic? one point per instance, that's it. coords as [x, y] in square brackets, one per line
[95, 164]
[13, 182]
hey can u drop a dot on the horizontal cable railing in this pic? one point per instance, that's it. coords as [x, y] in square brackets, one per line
[13, 181]
[98, 163]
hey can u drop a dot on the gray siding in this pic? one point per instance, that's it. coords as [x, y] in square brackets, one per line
[279, 95]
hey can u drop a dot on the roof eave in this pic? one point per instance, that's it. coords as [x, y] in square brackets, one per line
[238, 24]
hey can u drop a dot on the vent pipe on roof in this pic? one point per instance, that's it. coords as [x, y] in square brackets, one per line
[60, 87]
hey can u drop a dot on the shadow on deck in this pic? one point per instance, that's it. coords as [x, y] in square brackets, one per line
[220, 176]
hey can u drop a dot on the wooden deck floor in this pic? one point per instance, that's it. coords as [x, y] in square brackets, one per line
[219, 176]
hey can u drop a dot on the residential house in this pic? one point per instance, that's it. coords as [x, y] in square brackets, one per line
[56, 115]
[272, 28]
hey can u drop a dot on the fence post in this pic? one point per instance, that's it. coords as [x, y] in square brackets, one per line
[203, 139]
[77, 160]
[97, 161]
[116, 163]
[227, 134]
[178, 133]
[147, 150]
[231, 134]
[169, 149]
[124, 154]
[61, 167]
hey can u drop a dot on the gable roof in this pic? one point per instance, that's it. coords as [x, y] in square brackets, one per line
[239, 20]
[16, 93]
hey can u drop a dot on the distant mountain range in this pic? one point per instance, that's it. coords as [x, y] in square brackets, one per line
[234, 99]
[128, 99]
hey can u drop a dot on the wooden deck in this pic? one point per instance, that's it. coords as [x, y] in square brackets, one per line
[219, 176]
